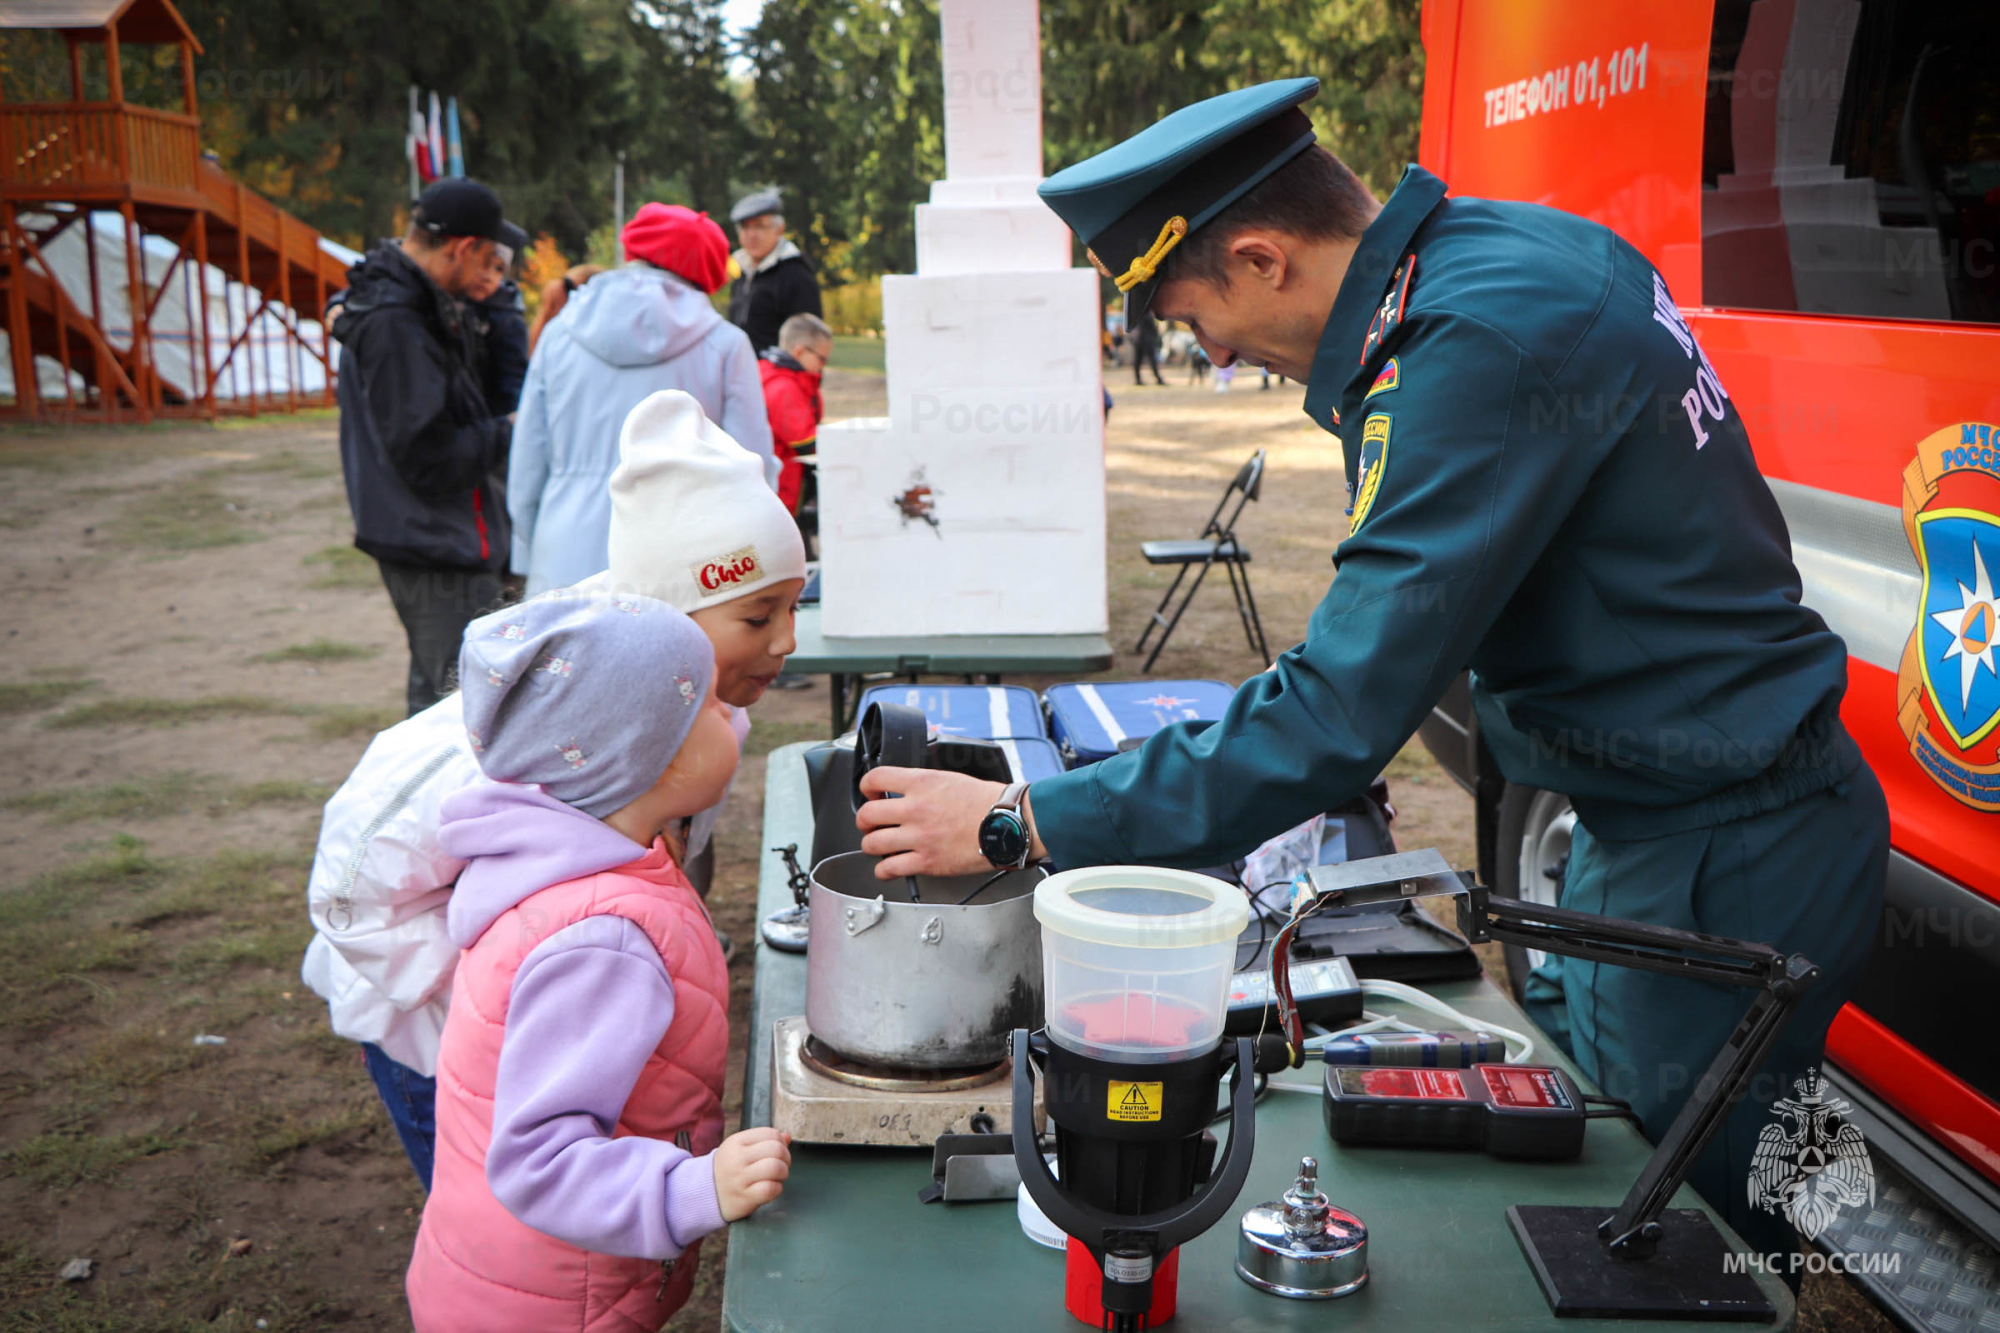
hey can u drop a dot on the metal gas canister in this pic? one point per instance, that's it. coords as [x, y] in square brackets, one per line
[1301, 1246]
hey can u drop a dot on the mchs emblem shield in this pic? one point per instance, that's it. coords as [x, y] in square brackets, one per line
[1811, 1163]
[1948, 687]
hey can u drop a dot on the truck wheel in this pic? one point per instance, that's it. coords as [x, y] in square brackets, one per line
[1531, 854]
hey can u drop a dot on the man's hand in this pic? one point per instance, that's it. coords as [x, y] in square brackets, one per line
[931, 827]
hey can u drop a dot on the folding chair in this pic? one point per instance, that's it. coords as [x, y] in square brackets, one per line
[1217, 544]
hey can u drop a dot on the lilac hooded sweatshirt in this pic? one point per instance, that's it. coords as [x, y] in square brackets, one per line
[589, 1005]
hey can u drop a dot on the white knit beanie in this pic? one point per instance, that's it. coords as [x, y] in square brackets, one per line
[693, 522]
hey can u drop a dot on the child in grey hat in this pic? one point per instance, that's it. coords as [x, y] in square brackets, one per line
[579, 1110]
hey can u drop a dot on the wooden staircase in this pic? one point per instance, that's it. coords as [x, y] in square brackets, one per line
[60, 162]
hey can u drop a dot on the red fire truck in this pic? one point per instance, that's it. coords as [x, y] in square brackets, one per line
[1819, 183]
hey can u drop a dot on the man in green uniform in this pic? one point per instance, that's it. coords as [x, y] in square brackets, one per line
[1547, 485]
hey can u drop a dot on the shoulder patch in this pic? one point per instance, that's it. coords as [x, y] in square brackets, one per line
[1390, 313]
[1374, 457]
[1391, 377]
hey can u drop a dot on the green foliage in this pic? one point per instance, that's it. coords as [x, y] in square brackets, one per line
[344, 720]
[319, 650]
[167, 712]
[184, 515]
[345, 568]
[161, 797]
[840, 105]
[845, 106]
[854, 309]
[308, 102]
[846, 117]
[26, 696]
[1108, 71]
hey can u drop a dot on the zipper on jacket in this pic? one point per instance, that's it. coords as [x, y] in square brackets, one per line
[343, 897]
[479, 518]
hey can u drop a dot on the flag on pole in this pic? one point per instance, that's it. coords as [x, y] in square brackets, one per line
[437, 137]
[413, 147]
[454, 151]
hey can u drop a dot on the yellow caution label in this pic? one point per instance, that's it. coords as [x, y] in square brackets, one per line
[1133, 1101]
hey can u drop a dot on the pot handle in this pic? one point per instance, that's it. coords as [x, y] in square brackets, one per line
[864, 915]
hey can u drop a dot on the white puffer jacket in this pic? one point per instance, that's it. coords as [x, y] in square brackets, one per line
[381, 958]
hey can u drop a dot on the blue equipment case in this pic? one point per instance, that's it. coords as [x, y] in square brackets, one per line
[985, 712]
[1033, 757]
[1090, 722]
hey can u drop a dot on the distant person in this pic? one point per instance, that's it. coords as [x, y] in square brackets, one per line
[1146, 349]
[1198, 364]
[555, 295]
[791, 373]
[580, 1133]
[777, 281]
[423, 449]
[499, 323]
[629, 334]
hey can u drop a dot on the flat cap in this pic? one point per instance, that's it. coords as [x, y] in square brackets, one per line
[1135, 201]
[755, 205]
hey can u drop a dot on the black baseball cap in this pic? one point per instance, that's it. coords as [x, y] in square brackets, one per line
[461, 206]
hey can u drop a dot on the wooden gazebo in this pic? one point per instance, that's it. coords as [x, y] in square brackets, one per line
[62, 161]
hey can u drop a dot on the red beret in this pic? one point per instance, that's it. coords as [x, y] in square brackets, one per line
[681, 241]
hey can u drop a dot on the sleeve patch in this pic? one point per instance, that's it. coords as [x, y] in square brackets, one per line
[1374, 457]
[1391, 377]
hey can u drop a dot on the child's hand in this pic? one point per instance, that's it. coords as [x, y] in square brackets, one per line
[750, 1171]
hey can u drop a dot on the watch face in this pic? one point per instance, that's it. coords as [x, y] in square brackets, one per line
[1002, 838]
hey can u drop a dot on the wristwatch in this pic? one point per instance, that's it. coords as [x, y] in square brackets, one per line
[1003, 834]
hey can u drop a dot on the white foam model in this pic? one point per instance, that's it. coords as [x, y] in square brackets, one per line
[977, 505]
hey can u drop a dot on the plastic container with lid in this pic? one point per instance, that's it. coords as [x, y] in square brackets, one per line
[1136, 960]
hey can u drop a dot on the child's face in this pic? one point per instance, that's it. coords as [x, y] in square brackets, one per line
[752, 637]
[699, 775]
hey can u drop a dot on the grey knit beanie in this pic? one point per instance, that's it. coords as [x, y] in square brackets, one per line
[588, 697]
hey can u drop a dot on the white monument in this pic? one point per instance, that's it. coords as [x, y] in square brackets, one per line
[977, 505]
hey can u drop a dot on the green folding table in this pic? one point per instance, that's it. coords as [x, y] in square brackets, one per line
[849, 1247]
[912, 655]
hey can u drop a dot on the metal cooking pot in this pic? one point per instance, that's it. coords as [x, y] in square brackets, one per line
[930, 984]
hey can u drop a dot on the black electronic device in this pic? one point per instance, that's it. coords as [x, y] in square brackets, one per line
[899, 736]
[1325, 991]
[1527, 1112]
[1642, 1260]
[1137, 1164]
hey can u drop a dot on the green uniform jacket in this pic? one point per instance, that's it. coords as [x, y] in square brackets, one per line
[1549, 485]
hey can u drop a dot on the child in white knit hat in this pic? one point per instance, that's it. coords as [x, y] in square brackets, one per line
[695, 524]
[579, 1109]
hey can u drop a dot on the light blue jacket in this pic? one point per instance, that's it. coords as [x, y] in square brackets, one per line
[623, 336]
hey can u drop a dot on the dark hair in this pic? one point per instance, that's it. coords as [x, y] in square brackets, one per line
[1314, 197]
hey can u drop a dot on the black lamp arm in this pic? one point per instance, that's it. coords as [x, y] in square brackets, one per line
[1484, 916]
[1781, 980]
[1634, 1231]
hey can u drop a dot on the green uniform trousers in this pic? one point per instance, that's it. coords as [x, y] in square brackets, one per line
[1806, 878]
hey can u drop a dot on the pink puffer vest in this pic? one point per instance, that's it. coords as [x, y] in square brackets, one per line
[476, 1267]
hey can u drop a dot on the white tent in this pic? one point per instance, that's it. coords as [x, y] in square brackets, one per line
[266, 361]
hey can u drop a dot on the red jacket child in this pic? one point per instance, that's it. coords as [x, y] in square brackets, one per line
[792, 401]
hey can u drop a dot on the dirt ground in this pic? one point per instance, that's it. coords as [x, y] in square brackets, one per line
[195, 657]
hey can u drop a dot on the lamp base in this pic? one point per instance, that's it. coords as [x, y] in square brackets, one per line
[1685, 1278]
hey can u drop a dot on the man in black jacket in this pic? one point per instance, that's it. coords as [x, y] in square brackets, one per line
[424, 452]
[775, 280]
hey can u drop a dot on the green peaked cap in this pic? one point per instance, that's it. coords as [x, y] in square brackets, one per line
[1123, 203]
